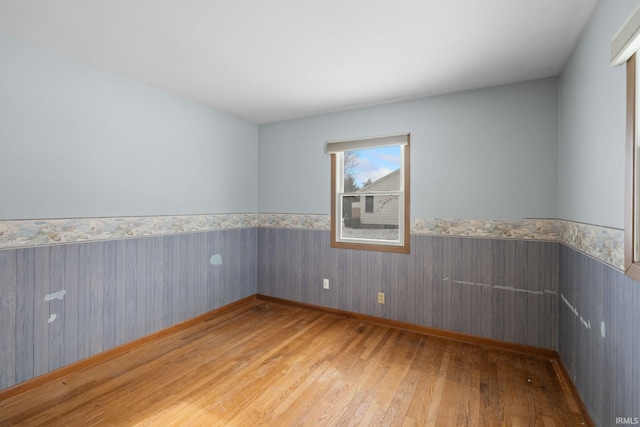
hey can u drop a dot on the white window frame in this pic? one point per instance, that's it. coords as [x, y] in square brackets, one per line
[337, 150]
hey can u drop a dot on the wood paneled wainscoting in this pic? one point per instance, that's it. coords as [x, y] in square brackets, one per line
[268, 362]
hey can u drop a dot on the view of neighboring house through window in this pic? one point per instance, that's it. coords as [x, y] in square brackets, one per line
[369, 193]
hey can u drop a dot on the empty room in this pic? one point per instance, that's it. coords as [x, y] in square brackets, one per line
[353, 212]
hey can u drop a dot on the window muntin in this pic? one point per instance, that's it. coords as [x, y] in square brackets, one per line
[370, 205]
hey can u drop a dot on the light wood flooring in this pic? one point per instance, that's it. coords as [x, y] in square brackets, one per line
[266, 364]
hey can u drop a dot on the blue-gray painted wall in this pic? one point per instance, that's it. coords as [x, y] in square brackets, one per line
[592, 115]
[482, 154]
[591, 183]
[77, 141]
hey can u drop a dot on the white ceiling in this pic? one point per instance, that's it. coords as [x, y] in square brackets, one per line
[273, 60]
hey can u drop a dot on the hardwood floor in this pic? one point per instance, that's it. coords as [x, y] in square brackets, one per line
[270, 364]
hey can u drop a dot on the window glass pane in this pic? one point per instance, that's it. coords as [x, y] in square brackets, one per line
[369, 204]
[373, 169]
[375, 217]
[369, 200]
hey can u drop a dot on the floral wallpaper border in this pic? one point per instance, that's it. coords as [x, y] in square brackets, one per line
[524, 229]
[602, 243]
[44, 232]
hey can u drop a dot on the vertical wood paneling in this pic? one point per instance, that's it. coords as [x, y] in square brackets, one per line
[97, 297]
[410, 288]
[438, 284]
[118, 291]
[8, 303]
[549, 285]
[319, 270]
[109, 295]
[293, 245]
[180, 278]
[85, 296]
[330, 267]
[498, 300]
[509, 307]
[521, 297]
[553, 292]
[401, 294]
[466, 292]
[190, 283]
[374, 271]
[490, 288]
[114, 292]
[486, 277]
[71, 302]
[605, 368]
[456, 303]
[181, 307]
[151, 285]
[41, 311]
[131, 291]
[390, 264]
[230, 268]
[56, 307]
[159, 285]
[431, 290]
[250, 267]
[207, 270]
[448, 298]
[169, 278]
[217, 275]
[533, 299]
[120, 309]
[202, 262]
[141, 289]
[25, 297]
[610, 311]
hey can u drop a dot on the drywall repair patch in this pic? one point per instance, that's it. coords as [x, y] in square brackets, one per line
[56, 295]
[602, 329]
[215, 259]
[52, 318]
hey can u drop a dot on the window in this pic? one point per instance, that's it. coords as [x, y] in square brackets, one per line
[370, 193]
[368, 204]
[624, 47]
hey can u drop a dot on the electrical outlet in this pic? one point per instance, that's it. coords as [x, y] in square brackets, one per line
[325, 283]
[380, 297]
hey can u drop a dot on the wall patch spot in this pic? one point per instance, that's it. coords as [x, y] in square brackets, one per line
[585, 322]
[215, 259]
[52, 318]
[572, 308]
[460, 282]
[56, 295]
[511, 288]
[602, 329]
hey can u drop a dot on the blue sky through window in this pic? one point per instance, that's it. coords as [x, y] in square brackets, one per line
[374, 163]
